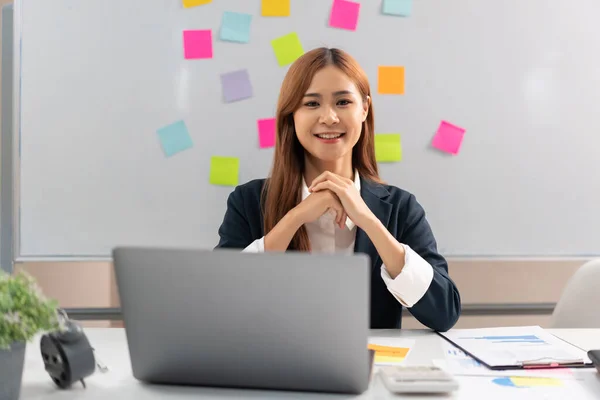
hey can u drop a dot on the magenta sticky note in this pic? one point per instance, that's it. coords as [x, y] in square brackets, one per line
[266, 132]
[197, 44]
[344, 14]
[448, 137]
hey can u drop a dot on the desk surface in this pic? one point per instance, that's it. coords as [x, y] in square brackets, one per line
[118, 383]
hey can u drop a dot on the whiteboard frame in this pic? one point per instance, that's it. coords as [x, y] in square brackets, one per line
[6, 142]
[12, 244]
[16, 128]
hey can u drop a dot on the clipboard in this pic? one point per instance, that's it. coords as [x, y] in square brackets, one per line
[543, 362]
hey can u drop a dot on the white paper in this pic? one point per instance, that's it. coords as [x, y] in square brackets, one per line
[514, 346]
[458, 363]
[486, 388]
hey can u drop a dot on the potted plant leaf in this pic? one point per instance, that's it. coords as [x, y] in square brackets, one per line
[24, 313]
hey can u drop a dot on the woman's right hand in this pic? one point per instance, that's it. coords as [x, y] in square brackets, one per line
[317, 204]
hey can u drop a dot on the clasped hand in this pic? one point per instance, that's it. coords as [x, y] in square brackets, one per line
[333, 192]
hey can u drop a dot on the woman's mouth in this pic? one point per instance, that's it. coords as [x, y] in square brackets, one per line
[329, 137]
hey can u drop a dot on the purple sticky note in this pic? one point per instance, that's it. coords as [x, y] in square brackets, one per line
[236, 85]
[344, 14]
[197, 44]
[266, 132]
[448, 137]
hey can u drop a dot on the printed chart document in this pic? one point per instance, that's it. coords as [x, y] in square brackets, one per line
[517, 347]
[459, 363]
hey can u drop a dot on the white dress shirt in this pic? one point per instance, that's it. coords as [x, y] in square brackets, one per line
[326, 237]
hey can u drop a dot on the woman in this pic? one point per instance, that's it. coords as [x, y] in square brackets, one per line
[324, 194]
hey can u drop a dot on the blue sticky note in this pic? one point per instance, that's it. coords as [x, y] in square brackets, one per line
[174, 138]
[235, 27]
[397, 7]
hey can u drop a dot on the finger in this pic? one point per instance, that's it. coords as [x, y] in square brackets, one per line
[340, 220]
[325, 176]
[321, 178]
[328, 185]
[343, 221]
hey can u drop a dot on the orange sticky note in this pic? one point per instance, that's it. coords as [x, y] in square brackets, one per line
[275, 8]
[390, 80]
[194, 3]
[387, 354]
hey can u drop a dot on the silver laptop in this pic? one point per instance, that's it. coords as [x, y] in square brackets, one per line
[285, 321]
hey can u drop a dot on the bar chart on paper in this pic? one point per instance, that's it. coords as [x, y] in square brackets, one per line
[525, 339]
[517, 347]
[459, 363]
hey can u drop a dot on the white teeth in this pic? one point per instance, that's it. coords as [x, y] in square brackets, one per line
[330, 136]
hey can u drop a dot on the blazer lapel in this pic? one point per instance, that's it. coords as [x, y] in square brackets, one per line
[374, 196]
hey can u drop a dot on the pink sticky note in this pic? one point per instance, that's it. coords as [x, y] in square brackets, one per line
[344, 14]
[266, 132]
[448, 137]
[197, 44]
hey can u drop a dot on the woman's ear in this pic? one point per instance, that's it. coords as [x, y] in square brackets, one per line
[366, 105]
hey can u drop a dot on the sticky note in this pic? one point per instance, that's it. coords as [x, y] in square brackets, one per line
[388, 147]
[266, 132]
[224, 170]
[275, 8]
[390, 80]
[397, 7]
[174, 138]
[236, 85]
[448, 138]
[388, 354]
[194, 3]
[235, 27]
[344, 14]
[287, 48]
[197, 44]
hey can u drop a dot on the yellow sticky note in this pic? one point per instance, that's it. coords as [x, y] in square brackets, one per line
[224, 170]
[275, 8]
[387, 354]
[194, 3]
[287, 48]
[388, 147]
[390, 80]
[523, 381]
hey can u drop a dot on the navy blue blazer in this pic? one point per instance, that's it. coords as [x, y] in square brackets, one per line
[399, 211]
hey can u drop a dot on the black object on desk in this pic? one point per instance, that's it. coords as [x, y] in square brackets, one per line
[67, 354]
[594, 355]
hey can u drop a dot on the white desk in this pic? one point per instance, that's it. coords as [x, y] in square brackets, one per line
[119, 383]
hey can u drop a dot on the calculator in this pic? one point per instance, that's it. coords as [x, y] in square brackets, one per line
[417, 379]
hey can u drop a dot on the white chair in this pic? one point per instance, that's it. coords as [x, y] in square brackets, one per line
[579, 303]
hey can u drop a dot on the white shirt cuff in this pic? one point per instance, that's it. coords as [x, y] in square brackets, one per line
[414, 280]
[258, 246]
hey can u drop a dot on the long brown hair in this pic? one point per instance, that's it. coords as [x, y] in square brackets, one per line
[281, 192]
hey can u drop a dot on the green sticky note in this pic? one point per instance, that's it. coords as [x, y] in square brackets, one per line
[287, 48]
[388, 147]
[224, 170]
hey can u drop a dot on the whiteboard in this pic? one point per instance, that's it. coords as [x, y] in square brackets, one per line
[98, 78]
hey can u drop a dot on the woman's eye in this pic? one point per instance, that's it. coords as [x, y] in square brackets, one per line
[344, 102]
[311, 104]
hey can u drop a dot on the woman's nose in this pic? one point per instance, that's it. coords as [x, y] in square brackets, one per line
[329, 116]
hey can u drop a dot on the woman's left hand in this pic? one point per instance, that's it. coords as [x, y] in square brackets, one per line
[349, 196]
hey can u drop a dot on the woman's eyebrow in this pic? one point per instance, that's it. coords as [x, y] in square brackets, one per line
[338, 93]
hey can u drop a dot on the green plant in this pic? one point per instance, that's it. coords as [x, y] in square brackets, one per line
[24, 310]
